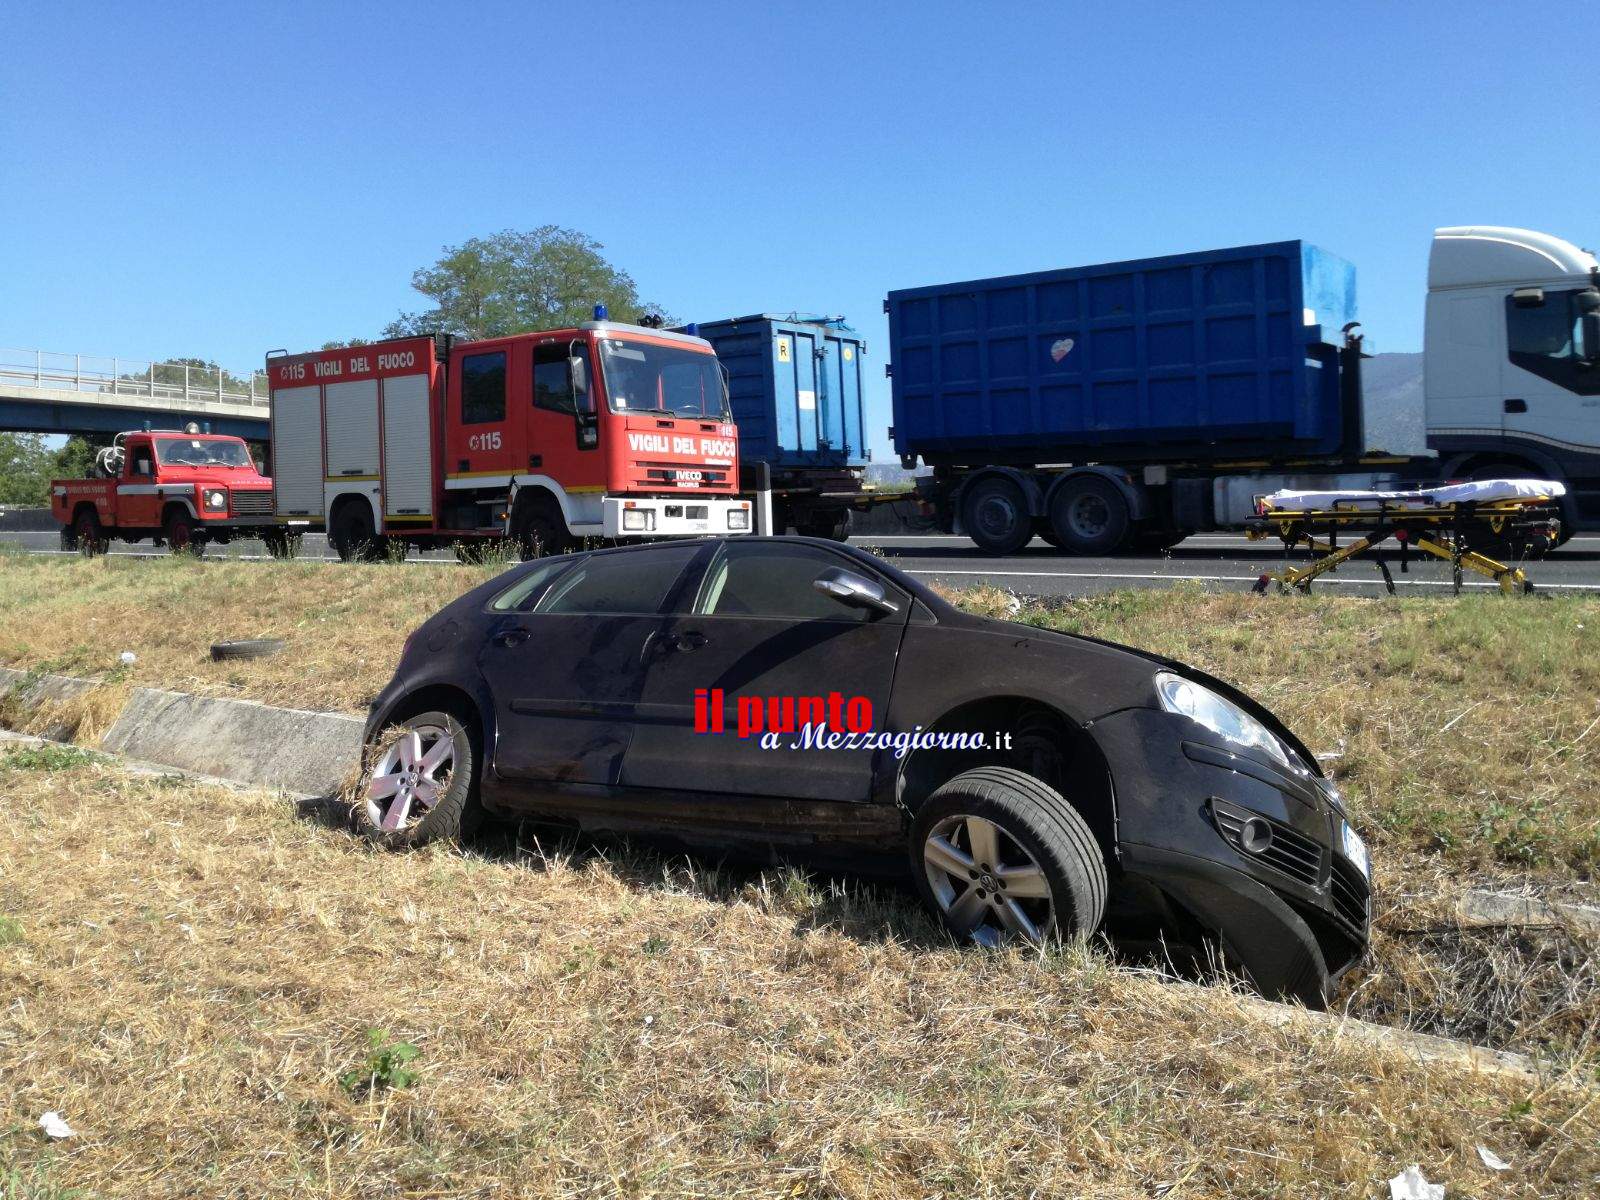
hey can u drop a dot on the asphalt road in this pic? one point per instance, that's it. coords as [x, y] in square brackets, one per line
[1225, 562]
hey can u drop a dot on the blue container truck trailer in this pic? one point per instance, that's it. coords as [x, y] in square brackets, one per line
[1128, 405]
[794, 384]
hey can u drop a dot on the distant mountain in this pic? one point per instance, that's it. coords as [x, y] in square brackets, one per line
[1391, 386]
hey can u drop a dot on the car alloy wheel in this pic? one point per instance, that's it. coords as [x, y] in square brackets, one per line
[410, 777]
[986, 883]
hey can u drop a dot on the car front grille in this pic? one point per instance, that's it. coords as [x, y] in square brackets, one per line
[250, 504]
[1351, 896]
[1291, 852]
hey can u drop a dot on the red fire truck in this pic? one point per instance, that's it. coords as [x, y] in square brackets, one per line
[606, 430]
[185, 488]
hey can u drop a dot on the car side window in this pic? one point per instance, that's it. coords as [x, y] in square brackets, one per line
[632, 583]
[776, 579]
[142, 464]
[522, 594]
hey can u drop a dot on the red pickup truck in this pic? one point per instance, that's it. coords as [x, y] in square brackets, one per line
[181, 488]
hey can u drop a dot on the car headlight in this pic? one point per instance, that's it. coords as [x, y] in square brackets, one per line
[1223, 717]
[216, 498]
[738, 518]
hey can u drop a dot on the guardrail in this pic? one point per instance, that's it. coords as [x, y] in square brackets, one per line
[102, 375]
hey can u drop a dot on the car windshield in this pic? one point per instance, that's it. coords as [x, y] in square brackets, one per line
[202, 452]
[646, 377]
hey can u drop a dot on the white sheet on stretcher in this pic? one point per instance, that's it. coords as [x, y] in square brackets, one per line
[1482, 491]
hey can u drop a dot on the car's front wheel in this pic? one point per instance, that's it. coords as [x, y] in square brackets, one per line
[423, 786]
[999, 856]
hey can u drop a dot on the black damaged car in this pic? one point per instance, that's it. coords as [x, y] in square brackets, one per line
[802, 698]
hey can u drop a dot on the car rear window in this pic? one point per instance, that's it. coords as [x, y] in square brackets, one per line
[630, 582]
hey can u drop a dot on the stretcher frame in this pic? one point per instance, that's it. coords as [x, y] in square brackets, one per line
[1444, 531]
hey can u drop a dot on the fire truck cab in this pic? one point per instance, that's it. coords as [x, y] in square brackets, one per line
[606, 429]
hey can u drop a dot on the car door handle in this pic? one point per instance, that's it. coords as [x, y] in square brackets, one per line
[511, 637]
[689, 639]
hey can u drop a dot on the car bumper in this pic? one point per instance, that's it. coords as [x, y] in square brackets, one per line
[1295, 913]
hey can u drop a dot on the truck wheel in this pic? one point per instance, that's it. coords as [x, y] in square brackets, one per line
[353, 536]
[994, 513]
[540, 531]
[90, 539]
[1089, 514]
[281, 543]
[69, 538]
[999, 856]
[181, 535]
[835, 526]
[423, 786]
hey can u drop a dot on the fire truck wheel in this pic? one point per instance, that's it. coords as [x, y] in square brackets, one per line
[90, 539]
[282, 543]
[182, 538]
[352, 535]
[423, 785]
[69, 538]
[541, 531]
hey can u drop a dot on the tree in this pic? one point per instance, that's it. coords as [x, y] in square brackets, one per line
[513, 282]
[25, 463]
[75, 460]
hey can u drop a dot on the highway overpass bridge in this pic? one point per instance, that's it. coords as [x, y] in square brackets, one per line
[45, 392]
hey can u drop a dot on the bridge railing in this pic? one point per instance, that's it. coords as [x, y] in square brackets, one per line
[100, 375]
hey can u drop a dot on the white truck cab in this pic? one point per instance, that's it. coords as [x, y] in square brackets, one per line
[1512, 360]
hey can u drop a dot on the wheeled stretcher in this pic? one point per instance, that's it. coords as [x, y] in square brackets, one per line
[1456, 522]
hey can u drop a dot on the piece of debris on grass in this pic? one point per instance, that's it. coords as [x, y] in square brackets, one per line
[55, 1126]
[1412, 1184]
[1492, 1160]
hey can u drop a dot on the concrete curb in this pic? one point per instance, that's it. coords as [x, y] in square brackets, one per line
[32, 690]
[309, 753]
[1502, 909]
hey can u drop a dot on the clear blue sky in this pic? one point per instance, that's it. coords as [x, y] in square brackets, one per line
[220, 180]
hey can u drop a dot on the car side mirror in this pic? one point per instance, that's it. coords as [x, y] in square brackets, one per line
[853, 591]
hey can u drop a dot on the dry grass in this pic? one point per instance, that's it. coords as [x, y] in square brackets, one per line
[190, 971]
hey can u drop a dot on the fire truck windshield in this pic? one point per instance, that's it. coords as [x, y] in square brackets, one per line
[202, 452]
[646, 377]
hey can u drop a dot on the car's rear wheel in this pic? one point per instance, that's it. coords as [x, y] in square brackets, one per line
[1000, 857]
[423, 786]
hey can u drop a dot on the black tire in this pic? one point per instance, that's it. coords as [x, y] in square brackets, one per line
[455, 816]
[1038, 820]
[835, 526]
[353, 535]
[281, 543]
[246, 648]
[539, 530]
[91, 539]
[183, 534]
[69, 538]
[1090, 515]
[1504, 547]
[994, 514]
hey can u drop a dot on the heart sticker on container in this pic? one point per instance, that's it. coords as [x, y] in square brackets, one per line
[1061, 349]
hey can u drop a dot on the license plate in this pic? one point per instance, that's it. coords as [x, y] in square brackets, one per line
[1355, 849]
